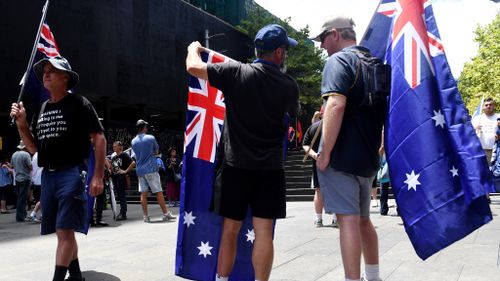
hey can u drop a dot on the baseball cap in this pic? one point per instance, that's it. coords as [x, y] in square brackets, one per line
[141, 124]
[336, 22]
[271, 37]
[59, 63]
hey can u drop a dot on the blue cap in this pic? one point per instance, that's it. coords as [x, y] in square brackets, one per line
[271, 37]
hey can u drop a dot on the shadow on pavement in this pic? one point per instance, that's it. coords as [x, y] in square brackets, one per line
[99, 276]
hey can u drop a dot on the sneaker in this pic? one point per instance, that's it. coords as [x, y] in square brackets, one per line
[31, 219]
[318, 222]
[335, 224]
[121, 217]
[146, 219]
[102, 223]
[168, 216]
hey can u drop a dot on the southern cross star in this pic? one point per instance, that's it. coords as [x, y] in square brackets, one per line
[412, 180]
[204, 249]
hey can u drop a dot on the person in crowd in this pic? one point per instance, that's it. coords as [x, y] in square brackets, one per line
[257, 95]
[61, 134]
[36, 184]
[21, 163]
[311, 150]
[5, 183]
[486, 126]
[348, 160]
[121, 166]
[173, 179]
[145, 149]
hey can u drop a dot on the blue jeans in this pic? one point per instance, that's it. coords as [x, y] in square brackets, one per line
[21, 190]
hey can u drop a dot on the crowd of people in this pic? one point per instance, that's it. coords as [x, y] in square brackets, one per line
[257, 96]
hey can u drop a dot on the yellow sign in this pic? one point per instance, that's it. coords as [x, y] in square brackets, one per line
[1, 143]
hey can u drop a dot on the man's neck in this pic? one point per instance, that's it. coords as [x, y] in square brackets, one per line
[56, 96]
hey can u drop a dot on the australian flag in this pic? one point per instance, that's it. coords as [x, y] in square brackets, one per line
[199, 230]
[438, 170]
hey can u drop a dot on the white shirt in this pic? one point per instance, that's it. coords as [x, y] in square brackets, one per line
[36, 172]
[486, 128]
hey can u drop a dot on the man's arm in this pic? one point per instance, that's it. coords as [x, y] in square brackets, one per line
[332, 121]
[96, 184]
[194, 65]
[18, 112]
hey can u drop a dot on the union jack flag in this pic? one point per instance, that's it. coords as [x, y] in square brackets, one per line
[207, 103]
[46, 48]
[420, 44]
[438, 170]
[199, 229]
[47, 43]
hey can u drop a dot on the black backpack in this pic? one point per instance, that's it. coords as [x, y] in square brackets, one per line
[377, 79]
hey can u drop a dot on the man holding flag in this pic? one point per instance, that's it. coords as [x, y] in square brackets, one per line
[62, 133]
[257, 97]
[348, 158]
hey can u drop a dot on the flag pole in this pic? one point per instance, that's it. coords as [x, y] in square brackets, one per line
[32, 57]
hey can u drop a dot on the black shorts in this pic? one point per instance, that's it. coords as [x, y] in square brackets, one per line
[261, 190]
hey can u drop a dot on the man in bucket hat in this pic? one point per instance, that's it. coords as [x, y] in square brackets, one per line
[257, 97]
[62, 135]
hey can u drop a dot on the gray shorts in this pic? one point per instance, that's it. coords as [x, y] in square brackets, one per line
[344, 193]
[150, 181]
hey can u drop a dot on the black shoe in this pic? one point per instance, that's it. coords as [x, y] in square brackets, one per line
[72, 278]
[102, 223]
[121, 217]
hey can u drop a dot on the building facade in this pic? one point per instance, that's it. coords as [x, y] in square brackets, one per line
[130, 55]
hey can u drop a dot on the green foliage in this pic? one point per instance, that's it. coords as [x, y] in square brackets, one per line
[304, 63]
[481, 76]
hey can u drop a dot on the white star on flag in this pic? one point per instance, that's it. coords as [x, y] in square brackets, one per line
[250, 235]
[454, 171]
[204, 249]
[438, 118]
[412, 180]
[189, 218]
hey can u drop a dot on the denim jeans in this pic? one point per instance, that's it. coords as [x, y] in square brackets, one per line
[384, 196]
[21, 190]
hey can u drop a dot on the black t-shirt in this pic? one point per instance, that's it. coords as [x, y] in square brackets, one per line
[257, 97]
[356, 148]
[62, 131]
[309, 135]
[120, 162]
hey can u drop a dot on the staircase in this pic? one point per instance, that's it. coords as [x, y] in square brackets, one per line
[297, 173]
[298, 177]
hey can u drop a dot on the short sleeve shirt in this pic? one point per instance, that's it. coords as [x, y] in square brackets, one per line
[356, 148]
[62, 131]
[120, 162]
[21, 162]
[257, 98]
[145, 148]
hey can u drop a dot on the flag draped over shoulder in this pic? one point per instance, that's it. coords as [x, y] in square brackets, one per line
[438, 170]
[199, 229]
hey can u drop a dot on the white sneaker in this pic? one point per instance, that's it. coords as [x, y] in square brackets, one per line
[146, 219]
[168, 217]
[318, 222]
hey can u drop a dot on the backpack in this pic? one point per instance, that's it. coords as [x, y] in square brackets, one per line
[377, 79]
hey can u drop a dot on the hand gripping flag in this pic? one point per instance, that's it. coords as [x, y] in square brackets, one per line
[199, 229]
[438, 170]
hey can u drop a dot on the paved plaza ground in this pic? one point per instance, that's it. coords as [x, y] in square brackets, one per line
[136, 251]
